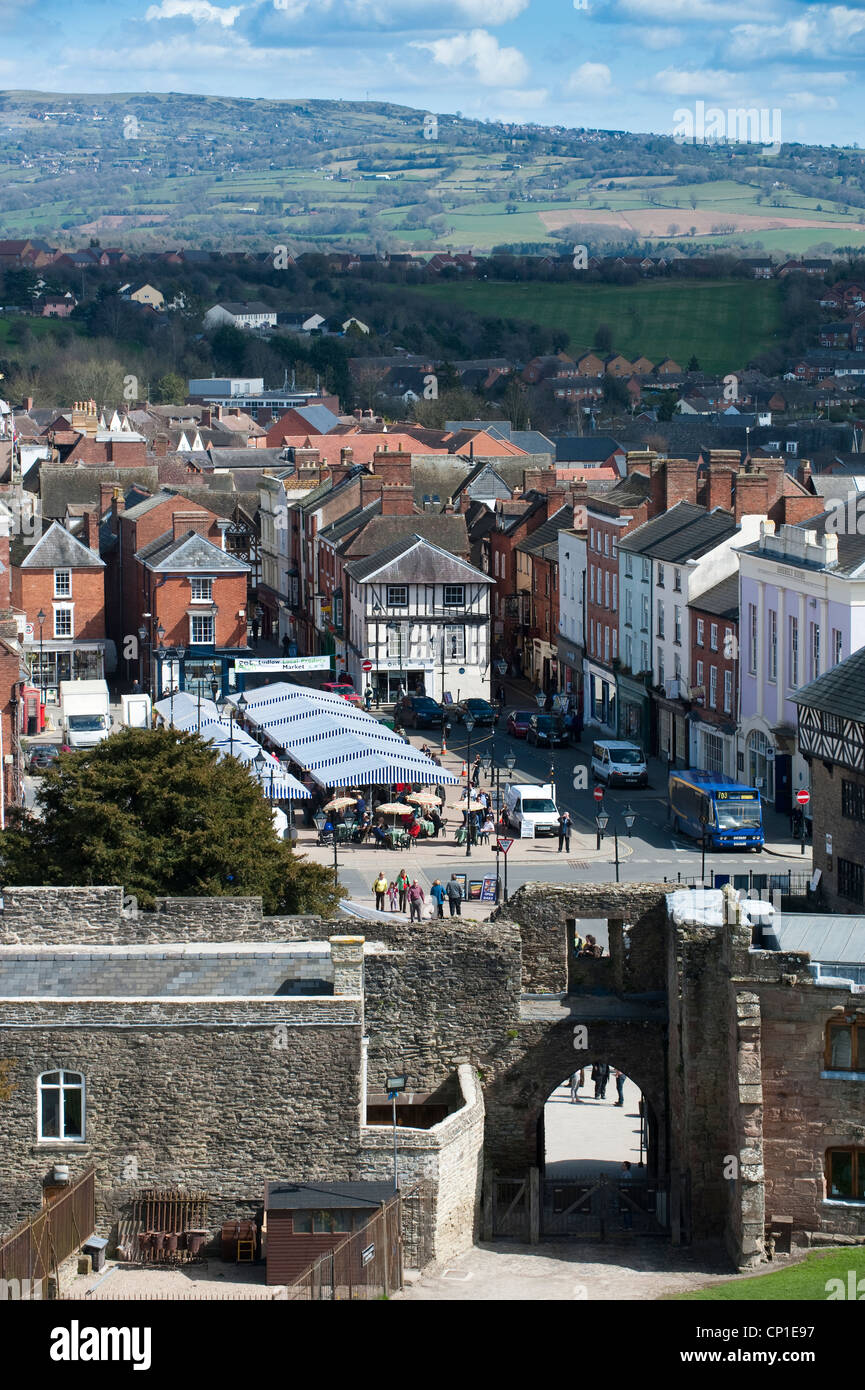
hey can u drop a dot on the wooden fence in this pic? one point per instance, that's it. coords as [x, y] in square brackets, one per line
[37, 1248]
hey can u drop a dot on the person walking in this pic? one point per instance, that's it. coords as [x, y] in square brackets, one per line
[367, 698]
[402, 884]
[500, 695]
[255, 629]
[455, 896]
[476, 771]
[600, 1076]
[415, 900]
[391, 896]
[285, 644]
[575, 1083]
[380, 888]
[437, 893]
[619, 1078]
[565, 832]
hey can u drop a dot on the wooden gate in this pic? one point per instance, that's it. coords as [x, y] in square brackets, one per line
[507, 1208]
[604, 1207]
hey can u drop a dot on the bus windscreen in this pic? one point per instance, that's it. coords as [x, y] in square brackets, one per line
[738, 814]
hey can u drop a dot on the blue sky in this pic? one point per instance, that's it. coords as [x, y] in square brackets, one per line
[622, 64]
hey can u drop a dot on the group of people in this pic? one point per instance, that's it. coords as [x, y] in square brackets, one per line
[600, 1079]
[409, 894]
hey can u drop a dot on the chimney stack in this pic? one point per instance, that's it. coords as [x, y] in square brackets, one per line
[90, 530]
[397, 499]
[184, 522]
[751, 497]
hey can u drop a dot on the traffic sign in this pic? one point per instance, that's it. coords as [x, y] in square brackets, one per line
[803, 797]
[598, 793]
[366, 665]
[504, 845]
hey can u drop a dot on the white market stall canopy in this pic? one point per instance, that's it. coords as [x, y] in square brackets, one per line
[276, 783]
[337, 743]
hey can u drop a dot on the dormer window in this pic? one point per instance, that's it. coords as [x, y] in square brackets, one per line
[62, 583]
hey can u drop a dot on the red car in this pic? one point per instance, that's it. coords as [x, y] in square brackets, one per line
[347, 692]
[518, 722]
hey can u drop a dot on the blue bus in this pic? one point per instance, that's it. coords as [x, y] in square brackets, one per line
[731, 812]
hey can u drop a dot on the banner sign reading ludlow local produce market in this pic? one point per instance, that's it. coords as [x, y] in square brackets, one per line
[246, 664]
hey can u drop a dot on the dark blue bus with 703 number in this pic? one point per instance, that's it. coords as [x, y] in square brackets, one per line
[730, 812]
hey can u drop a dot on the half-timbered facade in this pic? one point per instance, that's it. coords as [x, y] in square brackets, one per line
[421, 616]
[831, 714]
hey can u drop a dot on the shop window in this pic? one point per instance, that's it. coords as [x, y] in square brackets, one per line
[851, 881]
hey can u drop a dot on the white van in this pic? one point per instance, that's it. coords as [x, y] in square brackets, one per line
[531, 810]
[619, 764]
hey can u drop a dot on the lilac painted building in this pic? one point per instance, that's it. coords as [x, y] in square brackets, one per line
[801, 612]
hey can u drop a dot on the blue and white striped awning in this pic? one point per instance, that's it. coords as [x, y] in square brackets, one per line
[232, 741]
[337, 743]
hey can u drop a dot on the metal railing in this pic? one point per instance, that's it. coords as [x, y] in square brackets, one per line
[754, 884]
[40, 1244]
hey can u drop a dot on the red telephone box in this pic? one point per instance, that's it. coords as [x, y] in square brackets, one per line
[34, 711]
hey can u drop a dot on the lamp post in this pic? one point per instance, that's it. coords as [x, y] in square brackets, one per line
[446, 728]
[40, 618]
[704, 821]
[602, 820]
[154, 657]
[284, 764]
[142, 638]
[510, 764]
[487, 767]
[470, 724]
[395, 1084]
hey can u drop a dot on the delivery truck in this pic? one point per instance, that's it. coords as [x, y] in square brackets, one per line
[84, 712]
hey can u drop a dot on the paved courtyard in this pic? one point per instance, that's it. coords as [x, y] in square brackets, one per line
[593, 1136]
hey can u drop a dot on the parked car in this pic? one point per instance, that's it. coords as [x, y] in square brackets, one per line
[518, 722]
[347, 692]
[420, 712]
[619, 764]
[481, 711]
[548, 729]
[42, 755]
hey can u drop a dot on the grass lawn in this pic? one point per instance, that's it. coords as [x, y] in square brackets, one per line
[723, 322]
[805, 1282]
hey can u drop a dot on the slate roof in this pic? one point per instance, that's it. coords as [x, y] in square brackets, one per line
[547, 533]
[628, 492]
[189, 552]
[59, 550]
[245, 458]
[418, 561]
[840, 691]
[446, 530]
[60, 484]
[684, 533]
[593, 448]
[325, 1196]
[722, 599]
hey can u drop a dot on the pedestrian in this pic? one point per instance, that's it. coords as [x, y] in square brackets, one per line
[484, 799]
[591, 948]
[402, 884]
[476, 771]
[415, 899]
[391, 895]
[455, 896]
[626, 1176]
[600, 1076]
[500, 694]
[367, 697]
[437, 893]
[576, 1083]
[442, 795]
[436, 822]
[380, 888]
[619, 1078]
[285, 644]
[255, 631]
[565, 832]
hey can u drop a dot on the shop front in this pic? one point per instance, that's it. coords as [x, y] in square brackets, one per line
[713, 747]
[599, 698]
[673, 731]
[63, 660]
[570, 668]
[635, 711]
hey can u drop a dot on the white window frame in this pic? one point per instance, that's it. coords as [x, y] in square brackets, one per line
[195, 622]
[59, 591]
[699, 673]
[661, 633]
[713, 636]
[701, 632]
[65, 610]
[794, 653]
[773, 645]
[752, 638]
[728, 692]
[454, 602]
[62, 1086]
[202, 589]
[455, 642]
[837, 645]
[713, 686]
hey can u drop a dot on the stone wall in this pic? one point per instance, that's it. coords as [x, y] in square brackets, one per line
[847, 835]
[542, 910]
[450, 1154]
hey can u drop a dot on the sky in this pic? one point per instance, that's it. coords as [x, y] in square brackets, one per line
[613, 64]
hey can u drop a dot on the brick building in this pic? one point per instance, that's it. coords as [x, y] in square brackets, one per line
[59, 585]
[714, 677]
[831, 736]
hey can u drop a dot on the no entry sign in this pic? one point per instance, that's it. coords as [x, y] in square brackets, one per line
[366, 665]
[803, 798]
[598, 793]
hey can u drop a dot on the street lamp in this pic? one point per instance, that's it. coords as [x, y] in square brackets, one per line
[292, 833]
[510, 764]
[395, 1084]
[142, 638]
[541, 698]
[40, 618]
[704, 821]
[446, 728]
[470, 724]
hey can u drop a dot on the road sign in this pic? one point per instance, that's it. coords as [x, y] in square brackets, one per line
[803, 798]
[367, 1254]
[504, 845]
[598, 793]
[366, 665]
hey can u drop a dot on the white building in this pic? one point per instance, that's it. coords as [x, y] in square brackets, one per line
[572, 603]
[239, 315]
[422, 617]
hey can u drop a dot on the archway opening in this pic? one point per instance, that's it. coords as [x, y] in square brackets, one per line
[593, 1123]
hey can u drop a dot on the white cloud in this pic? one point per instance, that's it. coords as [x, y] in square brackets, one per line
[199, 11]
[589, 79]
[480, 53]
[659, 38]
[707, 84]
[687, 11]
[818, 32]
[813, 101]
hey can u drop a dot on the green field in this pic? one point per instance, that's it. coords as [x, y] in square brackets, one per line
[724, 323]
[797, 1283]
